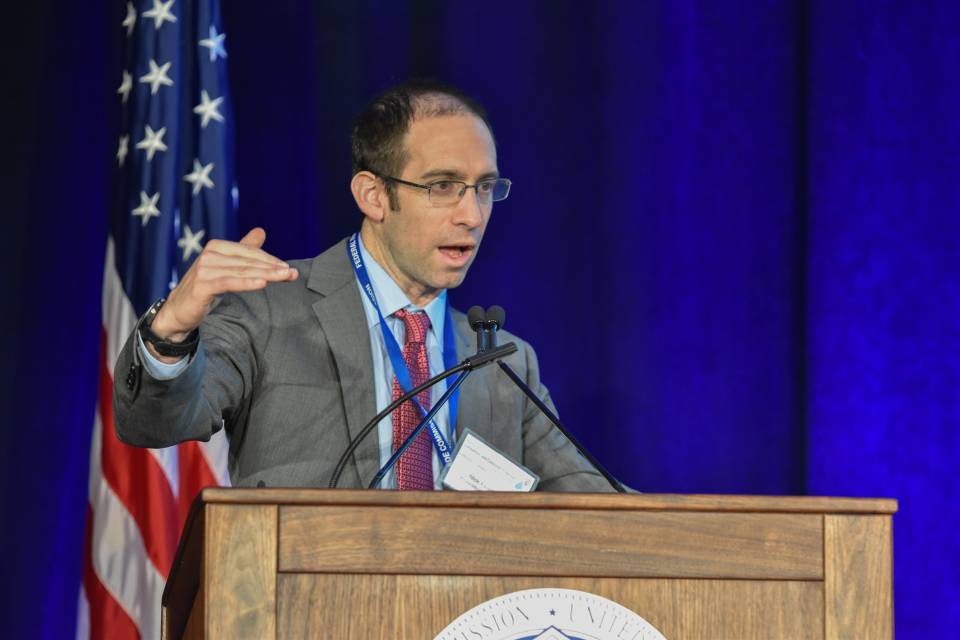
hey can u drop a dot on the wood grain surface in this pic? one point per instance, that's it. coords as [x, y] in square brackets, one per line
[278, 563]
[196, 624]
[551, 542]
[419, 607]
[858, 589]
[184, 580]
[541, 500]
[240, 569]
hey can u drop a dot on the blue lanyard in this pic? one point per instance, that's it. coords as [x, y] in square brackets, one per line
[440, 443]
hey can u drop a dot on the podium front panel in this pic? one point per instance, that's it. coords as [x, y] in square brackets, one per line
[280, 563]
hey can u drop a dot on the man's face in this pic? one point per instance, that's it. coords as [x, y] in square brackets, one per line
[430, 247]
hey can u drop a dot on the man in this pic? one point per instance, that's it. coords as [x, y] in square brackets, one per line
[293, 359]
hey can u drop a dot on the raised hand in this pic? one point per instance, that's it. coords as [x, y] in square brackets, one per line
[222, 266]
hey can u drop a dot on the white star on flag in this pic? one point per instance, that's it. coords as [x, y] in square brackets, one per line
[148, 208]
[208, 109]
[131, 20]
[215, 44]
[157, 77]
[190, 242]
[152, 141]
[122, 149]
[200, 178]
[148, 250]
[125, 86]
[160, 12]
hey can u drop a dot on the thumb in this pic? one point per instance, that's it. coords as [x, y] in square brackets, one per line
[254, 238]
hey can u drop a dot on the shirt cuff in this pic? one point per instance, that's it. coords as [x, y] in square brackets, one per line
[160, 370]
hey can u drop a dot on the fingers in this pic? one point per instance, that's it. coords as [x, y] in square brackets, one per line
[211, 281]
[254, 238]
[237, 249]
[247, 280]
[237, 284]
[248, 247]
[215, 259]
[222, 266]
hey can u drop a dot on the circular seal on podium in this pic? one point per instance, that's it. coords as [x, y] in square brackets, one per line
[549, 614]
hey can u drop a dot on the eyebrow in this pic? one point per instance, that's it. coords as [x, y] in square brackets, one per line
[456, 175]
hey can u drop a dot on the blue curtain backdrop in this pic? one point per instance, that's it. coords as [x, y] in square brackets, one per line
[733, 239]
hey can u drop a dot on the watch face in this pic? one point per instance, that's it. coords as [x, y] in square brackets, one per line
[550, 614]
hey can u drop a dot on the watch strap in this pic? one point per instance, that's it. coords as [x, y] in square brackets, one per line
[164, 347]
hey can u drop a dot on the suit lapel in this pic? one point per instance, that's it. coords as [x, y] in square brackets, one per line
[343, 321]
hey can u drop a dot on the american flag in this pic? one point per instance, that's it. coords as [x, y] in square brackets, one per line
[174, 190]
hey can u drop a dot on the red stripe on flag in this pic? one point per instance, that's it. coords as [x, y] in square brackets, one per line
[139, 482]
[107, 617]
[195, 474]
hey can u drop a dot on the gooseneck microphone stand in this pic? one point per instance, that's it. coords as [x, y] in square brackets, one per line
[489, 324]
[377, 479]
[556, 422]
[464, 368]
[486, 325]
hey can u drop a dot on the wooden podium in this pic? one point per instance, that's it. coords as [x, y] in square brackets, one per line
[294, 563]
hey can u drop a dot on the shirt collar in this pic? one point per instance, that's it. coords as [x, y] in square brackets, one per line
[391, 297]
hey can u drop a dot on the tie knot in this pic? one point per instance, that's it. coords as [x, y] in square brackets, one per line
[416, 325]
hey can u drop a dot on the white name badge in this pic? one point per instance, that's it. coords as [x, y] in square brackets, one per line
[477, 466]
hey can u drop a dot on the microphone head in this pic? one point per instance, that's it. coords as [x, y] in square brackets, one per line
[495, 317]
[476, 316]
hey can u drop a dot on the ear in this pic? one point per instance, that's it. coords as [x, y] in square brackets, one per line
[371, 196]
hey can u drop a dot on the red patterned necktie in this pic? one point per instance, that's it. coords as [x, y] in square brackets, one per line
[415, 466]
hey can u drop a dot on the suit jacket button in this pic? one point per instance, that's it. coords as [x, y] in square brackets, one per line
[132, 377]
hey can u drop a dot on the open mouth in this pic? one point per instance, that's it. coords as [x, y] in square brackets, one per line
[457, 252]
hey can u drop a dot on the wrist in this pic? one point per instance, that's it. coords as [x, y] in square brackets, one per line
[164, 342]
[164, 327]
[160, 357]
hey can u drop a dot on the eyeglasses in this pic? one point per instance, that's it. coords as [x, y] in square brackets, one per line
[449, 192]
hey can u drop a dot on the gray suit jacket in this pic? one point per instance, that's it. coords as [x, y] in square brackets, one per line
[287, 372]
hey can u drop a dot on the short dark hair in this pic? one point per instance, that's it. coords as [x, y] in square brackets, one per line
[377, 139]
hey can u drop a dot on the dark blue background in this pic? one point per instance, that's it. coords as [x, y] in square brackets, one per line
[733, 238]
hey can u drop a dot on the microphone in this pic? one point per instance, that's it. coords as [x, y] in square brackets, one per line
[478, 322]
[476, 316]
[494, 321]
[464, 368]
[495, 317]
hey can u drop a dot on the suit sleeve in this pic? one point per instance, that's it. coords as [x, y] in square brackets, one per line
[546, 450]
[211, 393]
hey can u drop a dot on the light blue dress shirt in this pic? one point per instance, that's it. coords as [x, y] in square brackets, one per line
[391, 299]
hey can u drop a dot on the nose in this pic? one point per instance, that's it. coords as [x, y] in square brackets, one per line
[469, 211]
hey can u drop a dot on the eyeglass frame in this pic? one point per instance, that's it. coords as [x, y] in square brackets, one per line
[429, 187]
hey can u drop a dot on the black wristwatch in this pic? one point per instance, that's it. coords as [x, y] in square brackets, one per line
[165, 347]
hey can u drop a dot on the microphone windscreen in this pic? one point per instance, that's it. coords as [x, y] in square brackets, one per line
[475, 316]
[496, 315]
